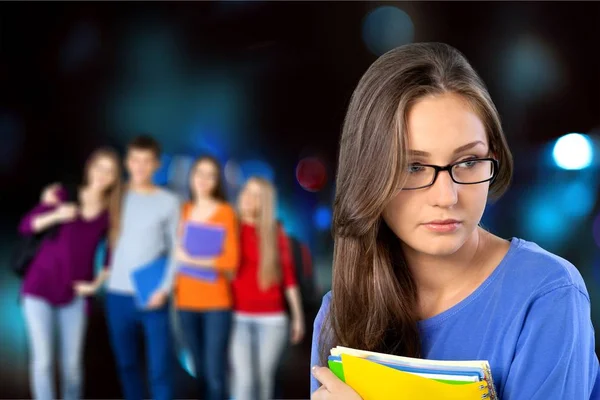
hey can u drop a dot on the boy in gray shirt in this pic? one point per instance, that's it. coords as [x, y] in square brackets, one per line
[147, 231]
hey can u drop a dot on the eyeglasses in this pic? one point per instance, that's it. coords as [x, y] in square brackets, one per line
[467, 172]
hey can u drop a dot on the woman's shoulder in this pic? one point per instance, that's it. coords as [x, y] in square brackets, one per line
[539, 270]
[225, 212]
[323, 310]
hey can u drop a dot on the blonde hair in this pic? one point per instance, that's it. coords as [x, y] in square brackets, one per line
[269, 272]
[113, 195]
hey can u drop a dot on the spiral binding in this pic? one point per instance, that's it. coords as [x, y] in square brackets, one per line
[491, 394]
[484, 386]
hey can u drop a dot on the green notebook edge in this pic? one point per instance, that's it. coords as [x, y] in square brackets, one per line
[338, 369]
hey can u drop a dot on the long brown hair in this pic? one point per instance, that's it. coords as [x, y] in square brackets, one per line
[218, 192]
[113, 195]
[373, 305]
[269, 270]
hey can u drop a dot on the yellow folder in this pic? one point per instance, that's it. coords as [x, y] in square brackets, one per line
[373, 381]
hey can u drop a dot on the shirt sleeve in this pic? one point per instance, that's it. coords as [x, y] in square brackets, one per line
[286, 260]
[555, 355]
[26, 224]
[172, 227]
[314, 352]
[229, 260]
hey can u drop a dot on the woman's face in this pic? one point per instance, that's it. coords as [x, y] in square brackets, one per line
[249, 200]
[204, 178]
[102, 172]
[441, 130]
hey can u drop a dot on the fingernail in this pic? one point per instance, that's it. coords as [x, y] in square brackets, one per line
[314, 368]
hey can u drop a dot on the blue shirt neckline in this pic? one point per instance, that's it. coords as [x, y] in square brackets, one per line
[438, 319]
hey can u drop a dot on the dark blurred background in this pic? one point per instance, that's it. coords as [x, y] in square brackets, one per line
[264, 87]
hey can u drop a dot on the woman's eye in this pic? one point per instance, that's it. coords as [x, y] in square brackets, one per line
[415, 168]
[468, 164]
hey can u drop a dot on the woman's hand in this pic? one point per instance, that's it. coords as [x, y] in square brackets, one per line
[297, 330]
[50, 194]
[83, 288]
[181, 255]
[157, 300]
[65, 213]
[332, 387]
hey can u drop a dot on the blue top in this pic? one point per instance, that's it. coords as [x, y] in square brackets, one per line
[530, 319]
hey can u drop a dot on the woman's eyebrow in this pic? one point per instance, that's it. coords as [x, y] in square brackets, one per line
[468, 146]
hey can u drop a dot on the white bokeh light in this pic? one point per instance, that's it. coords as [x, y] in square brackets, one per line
[573, 151]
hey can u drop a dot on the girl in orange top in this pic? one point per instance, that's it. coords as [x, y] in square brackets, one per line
[204, 305]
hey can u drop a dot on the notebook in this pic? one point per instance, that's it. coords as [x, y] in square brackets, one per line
[376, 376]
[204, 241]
[201, 240]
[147, 278]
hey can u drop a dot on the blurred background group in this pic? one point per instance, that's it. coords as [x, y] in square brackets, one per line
[263, 87]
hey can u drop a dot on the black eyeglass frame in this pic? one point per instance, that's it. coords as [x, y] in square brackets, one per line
[438, 169]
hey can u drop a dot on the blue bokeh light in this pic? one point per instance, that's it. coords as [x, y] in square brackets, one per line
[578, 198]
[322, 218]
[161, 176]
[387, 27]
[531, 69]
[187, 363]
[257, 168]
[543, 222]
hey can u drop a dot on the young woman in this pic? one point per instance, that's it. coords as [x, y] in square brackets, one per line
[414, 273]
[62, 272]
[204, 304]
[260, 328]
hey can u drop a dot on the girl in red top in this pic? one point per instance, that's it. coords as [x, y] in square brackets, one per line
[266, 273]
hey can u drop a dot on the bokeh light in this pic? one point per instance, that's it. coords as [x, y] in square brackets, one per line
[161, 176]
[186, 361]
[531, 70]
[385, 28]
[179, 173]
[578, 198]
[322, 218]
[543, 222]
[232, 173]
[573, 151]
[311, 174]
[257, 168]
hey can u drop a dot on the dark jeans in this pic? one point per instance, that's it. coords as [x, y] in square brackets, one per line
[206, 334]
[124, 317]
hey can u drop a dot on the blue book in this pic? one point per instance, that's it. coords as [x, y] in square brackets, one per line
[147, 278]
[203, 241]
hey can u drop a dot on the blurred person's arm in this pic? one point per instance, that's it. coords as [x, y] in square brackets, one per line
[292, 292]
[295, 301]
[48, 212]
[172, 236]
[43, 217]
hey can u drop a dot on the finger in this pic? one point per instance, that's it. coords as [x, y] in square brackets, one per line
[320, 394]
[326, 377]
